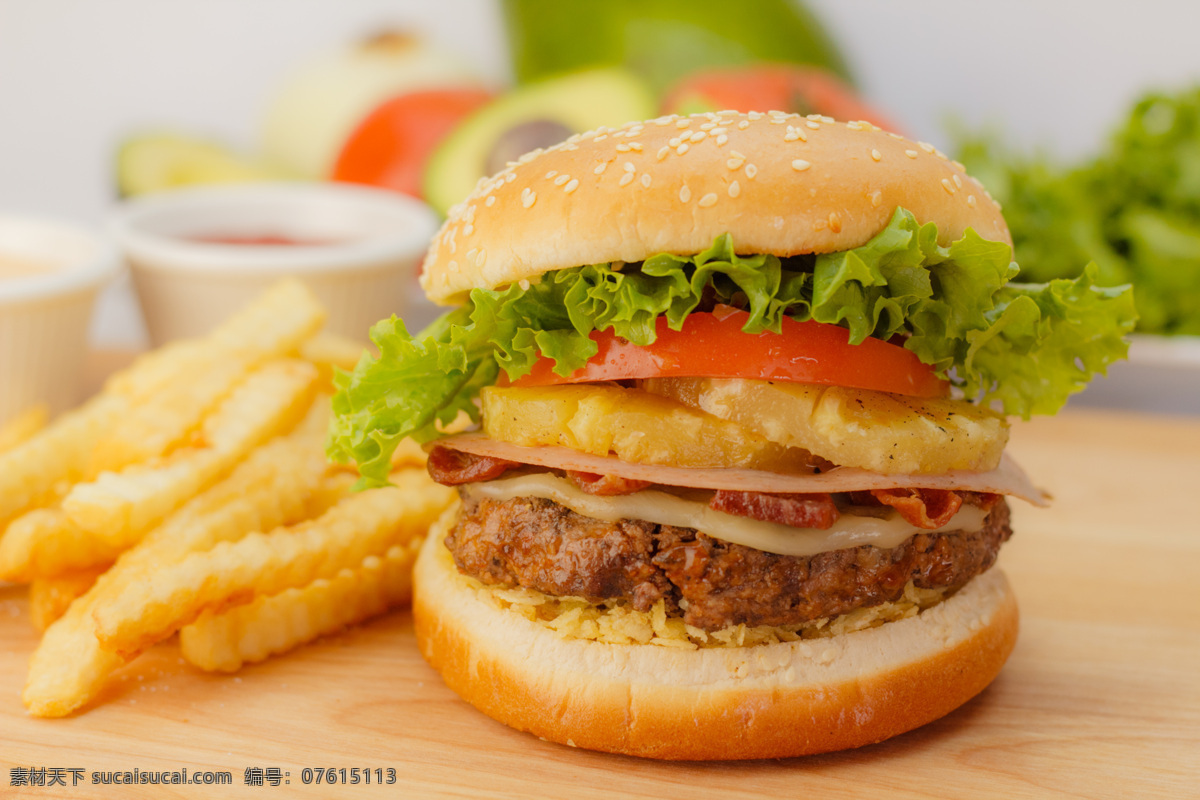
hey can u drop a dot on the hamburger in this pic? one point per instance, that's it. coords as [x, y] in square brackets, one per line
[735, 390]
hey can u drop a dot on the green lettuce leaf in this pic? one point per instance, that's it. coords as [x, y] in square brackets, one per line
[1024, 348]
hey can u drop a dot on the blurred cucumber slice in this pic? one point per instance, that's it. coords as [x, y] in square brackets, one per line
[664, 40]
[152, 162]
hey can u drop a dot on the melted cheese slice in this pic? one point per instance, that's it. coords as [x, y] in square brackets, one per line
[663, 508]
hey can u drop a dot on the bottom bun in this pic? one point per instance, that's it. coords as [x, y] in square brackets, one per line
[764, 701]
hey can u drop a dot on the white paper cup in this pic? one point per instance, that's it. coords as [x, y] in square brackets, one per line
[44, 316]
[360, 249]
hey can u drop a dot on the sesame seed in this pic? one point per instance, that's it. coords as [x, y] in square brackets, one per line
[910, 153]
[626, 179]
[629, 167]
[743, 124]
[813, 125]
[721, 139]
[876, 199]
[791, 135]
[971, 200]
[708, 200]
[662, 121]
[708, 126]
[960, 165]
[683, 123]
[468, 229]
[948, 186]
[524, 284]
[751, 171]
[683, 148]
[482, 257]
[599, 170]
[510, 177]
[800, 165]
[600, 138]
[875, 154]
[646, 179]
[573, 138]
[716, 131]
[854, 126]
[940, 154]
[551, 174]
[662, 152]
[635, 147]
[828, 120]
[528, 197]
[736, 154]
[699, 136]
[926, 146]
[835, 222]
[453, 265]
[777, 114]
[491, 201]
[622, 148]
[735, 189]
[685, 194]
[896, 136]
[735, 162]
[957, 180]
[675, 141]
[561, 179]
[571, 186]
[755, 115]
[453, 246]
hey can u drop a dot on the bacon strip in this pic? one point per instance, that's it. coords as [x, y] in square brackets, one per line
[797, 510]
[605, 485]
[456, 467]
[924, 508]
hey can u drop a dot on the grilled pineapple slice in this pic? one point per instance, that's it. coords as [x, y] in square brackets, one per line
[886, 433]
[634, 425]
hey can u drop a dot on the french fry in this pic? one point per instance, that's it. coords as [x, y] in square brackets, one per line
[31, 472]
[23, 426]
[49, 598]
[232, 573]
[272, 625]
[328, 350]
[118, 508]
[269, 324]
[69, 667]
[282, 318]
[167, 418]
[45, 543]
[281, 483]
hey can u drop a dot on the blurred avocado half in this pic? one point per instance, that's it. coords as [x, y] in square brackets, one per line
[531, 116]
[664, 40]
[159, 160]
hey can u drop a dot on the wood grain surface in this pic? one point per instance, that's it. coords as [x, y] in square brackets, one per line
[1101, 698]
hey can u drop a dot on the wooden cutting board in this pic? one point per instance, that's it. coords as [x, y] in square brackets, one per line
[1100, 699]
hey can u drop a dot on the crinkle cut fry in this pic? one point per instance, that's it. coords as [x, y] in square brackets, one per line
[281, 483]
[232, 573]
[59, 453]
[23, 427]
[49, 598]
[120, 507]
[273, 625]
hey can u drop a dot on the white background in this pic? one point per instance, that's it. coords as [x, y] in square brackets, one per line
[78, 75]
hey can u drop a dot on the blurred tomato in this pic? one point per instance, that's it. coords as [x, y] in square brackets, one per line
[802, 90]
[391, 146]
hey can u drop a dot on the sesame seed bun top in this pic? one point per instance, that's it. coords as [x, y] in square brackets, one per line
[778, 183]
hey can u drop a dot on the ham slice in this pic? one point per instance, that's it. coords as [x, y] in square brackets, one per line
[1008, 478]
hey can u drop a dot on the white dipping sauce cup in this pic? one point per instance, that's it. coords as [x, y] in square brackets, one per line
[359, 250]
[44, 316]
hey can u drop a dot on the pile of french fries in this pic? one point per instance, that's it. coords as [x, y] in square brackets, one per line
[192, 495]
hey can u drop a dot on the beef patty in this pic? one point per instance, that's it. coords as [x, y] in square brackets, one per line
[542, 545]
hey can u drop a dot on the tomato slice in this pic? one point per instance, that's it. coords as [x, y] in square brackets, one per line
[714, 346]
[391, 146]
